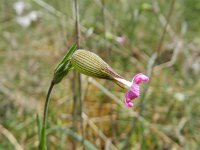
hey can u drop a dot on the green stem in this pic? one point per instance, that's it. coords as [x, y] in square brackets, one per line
[42, 145]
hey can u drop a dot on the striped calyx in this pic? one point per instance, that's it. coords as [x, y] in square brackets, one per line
[90, 64]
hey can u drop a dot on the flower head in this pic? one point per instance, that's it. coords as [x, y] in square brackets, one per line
[91, 64]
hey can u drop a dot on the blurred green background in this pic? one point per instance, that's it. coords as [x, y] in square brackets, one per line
[158, 37]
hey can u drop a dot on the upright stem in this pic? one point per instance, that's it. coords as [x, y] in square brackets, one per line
[77, 85]
[165, 27]
[42, 145]
[74, 106]
[77, 28]
[47, 104]
[103, 9]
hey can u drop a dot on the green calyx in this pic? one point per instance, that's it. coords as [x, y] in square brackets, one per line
[64, 66]
[90, 64]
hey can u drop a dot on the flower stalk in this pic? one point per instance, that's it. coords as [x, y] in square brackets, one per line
[62, 69]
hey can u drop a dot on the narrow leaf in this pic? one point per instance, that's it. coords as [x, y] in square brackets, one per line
[39, 125]
[75, 136]
[66, 58]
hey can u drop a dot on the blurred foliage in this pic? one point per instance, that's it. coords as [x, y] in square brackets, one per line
[191, 11]
[29, 53]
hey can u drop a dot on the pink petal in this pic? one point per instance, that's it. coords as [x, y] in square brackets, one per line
[138, 78]
[129, 104]
[133, 93]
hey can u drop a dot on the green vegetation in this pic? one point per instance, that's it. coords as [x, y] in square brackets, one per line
[131, 36]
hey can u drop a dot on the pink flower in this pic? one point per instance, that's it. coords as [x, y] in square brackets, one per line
[134, 87]
[134, 91]
[121, 39]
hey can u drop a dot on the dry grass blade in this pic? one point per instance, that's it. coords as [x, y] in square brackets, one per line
[98, 131]
[49, 8]
[173, 59]
[106, 91]
[10, 137]
[179, 43]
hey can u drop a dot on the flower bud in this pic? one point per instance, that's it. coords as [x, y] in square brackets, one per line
[90, 64]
